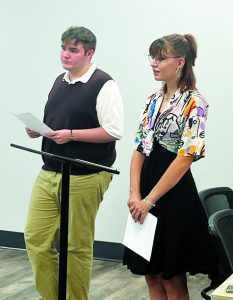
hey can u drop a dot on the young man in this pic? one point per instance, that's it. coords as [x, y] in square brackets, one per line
[84, 109]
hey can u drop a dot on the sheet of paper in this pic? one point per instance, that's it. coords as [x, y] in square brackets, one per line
[33, 123]
[140, 237]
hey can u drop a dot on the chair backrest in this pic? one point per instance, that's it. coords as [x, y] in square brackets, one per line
[221, 228]
[216, 199]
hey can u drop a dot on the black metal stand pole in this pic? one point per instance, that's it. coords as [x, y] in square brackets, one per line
[64, 219]
[64, 224]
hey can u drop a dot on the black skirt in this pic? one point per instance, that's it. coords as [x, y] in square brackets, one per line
[182, 242]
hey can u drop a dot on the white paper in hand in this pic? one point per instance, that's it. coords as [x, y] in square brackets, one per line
[140, 237]
[33, 123]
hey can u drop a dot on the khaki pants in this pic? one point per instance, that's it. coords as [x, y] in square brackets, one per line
[42, 231]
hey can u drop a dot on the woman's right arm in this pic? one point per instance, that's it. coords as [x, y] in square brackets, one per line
[135, 174]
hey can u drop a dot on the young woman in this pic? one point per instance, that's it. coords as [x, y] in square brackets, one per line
[169, 139]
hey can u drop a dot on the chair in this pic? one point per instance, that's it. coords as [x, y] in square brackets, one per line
[216, 199]
[221, 230]
[221, 227]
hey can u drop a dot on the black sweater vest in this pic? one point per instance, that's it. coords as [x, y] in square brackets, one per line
[73, 106]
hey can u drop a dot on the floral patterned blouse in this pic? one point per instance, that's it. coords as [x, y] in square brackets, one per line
[180, 128]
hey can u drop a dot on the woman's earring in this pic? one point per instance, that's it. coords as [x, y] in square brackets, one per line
[178, 71]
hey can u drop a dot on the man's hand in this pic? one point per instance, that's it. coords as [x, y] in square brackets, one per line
[32, 133]
[60, 136]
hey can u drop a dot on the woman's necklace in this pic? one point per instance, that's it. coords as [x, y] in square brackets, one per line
[168, 96]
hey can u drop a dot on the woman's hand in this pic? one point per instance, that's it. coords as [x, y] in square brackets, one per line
[138, 208]
[60, 136]
[32, 134]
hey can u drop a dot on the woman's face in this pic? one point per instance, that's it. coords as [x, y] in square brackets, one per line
[165, 67]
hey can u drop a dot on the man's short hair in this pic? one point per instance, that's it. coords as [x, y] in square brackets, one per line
[80, 35]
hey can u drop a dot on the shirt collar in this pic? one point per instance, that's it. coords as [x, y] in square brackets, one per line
[84, 78]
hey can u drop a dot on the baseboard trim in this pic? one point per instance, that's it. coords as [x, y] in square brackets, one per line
[102, 250]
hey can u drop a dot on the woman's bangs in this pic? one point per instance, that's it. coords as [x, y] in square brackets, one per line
[158, 49]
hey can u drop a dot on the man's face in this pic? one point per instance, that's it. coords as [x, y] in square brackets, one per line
[74, 58]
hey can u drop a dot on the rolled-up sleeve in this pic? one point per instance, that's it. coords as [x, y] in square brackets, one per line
[192, 141]
[109, 108]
